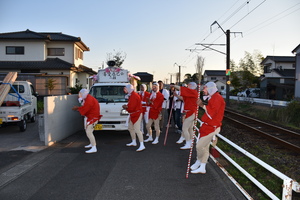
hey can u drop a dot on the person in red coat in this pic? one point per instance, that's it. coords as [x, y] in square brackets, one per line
[212, 121]
[90, 109]
[134, 107]
[155, 103]
[145, 95]
[190, 96]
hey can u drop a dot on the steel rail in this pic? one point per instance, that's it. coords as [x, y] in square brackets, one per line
[260, 124]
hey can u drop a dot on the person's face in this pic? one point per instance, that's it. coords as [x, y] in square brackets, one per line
[125, 90]
[171, 87]
[205, 90]
[155, 88]
[142, 88]
[161, 85]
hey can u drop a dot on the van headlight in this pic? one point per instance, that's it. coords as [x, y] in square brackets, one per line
[124, 112]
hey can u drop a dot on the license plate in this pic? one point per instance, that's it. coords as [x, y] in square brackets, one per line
[1, 121]
[98, 127]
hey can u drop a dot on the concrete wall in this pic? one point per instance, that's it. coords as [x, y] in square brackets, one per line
[60, 121]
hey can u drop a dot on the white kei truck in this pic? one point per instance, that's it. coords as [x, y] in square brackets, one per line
[110, 94]
[19, 106]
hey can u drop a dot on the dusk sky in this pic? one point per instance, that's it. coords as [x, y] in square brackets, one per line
[156, 34]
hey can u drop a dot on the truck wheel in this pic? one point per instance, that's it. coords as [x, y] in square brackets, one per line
[22, 125]
[33, 118]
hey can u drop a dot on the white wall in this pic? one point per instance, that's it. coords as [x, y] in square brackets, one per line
[60, 121]
[33, 51]
[69, 50]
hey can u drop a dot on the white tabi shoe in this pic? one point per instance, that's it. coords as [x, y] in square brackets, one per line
[200, 170]
[155, 141]
[142, 147]
[133, 143]
[149, 139]
[92, 150]
[88, 146]
[187, 145]
[181, 139]
[196, 165]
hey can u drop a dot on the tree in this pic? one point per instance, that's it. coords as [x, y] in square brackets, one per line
[117, 56]
[50, 84]
[199, 68]
[247, 73]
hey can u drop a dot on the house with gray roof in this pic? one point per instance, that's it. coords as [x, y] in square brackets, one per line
[217, 76]
[278, 81]
[40, 56]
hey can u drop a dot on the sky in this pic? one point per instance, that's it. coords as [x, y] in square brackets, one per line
[158, 36]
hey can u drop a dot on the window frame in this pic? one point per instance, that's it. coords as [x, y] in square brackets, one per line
[18, 50]
[56, 51]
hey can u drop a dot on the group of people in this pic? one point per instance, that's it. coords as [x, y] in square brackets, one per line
[147, 108]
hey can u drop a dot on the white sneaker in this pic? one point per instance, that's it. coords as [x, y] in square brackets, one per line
[187, 145]
[149, 139]
[133, 143]
[92, 150]
[181, 139]
[155, 141]
[200, 170]
[147, 135]
[142, 147]
[176, 126]
[196, 165]
[88, 146]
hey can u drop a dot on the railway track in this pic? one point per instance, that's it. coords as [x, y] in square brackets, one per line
[283, 137]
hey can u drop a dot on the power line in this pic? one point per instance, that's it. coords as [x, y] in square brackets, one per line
[248, 14]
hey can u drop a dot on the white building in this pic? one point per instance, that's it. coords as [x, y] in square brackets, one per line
[40, 56]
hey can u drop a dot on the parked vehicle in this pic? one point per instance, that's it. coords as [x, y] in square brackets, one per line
[109, 91]
[250, 92]
[19, 106]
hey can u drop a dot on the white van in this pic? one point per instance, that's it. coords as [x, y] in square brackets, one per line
[110, 94]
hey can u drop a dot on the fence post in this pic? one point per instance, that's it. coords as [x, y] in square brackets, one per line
[287, 190]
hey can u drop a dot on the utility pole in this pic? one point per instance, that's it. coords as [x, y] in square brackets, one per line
[179, 72]
[227, 33]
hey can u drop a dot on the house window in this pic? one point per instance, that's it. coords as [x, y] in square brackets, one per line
[14, 50]
[79, 54]
[56, 51]
[213, 78]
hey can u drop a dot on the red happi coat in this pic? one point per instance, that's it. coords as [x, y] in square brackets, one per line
[190, 97]
[134, 106]
[90, 109]
[156, 106]
[214, 114]
[144, 97]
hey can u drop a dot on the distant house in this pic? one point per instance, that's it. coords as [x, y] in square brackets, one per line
[217, 76]
[297, 72]
[146, 79]
[40, 56]
[278, 81]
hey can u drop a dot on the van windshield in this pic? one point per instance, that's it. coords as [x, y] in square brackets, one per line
[106, 94]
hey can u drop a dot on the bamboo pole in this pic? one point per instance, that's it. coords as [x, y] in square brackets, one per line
[4, 88]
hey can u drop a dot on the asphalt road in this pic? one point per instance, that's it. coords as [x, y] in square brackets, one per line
[64, 171]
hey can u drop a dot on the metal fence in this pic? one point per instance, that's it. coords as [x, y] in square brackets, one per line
[289, 185]
[261, 101]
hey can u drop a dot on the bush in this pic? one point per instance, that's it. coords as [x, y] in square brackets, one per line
[76, 89]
